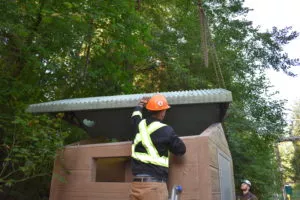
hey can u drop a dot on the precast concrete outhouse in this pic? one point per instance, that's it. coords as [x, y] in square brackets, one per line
[101, 171]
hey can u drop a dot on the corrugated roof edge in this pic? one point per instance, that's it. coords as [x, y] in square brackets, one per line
[124, 101]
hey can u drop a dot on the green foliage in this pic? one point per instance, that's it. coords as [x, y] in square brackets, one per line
[296, 161]
[65, 49]
[296, 119]
[29, 148]
[287, 152]
[296, 132]
[254, 159]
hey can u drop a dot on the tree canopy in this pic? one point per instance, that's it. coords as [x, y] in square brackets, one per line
[61, 49]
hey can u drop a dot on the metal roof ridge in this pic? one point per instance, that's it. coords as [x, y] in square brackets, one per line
[130, 100]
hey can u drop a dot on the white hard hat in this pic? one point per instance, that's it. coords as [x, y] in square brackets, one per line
[247, 182]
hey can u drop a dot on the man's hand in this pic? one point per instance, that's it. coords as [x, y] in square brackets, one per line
[143, 101]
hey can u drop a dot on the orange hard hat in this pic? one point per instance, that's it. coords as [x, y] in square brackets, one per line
[157, 102]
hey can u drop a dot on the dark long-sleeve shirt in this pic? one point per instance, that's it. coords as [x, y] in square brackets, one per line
[164, 139]
[248, 196]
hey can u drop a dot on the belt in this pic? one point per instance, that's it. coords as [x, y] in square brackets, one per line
[148, 179]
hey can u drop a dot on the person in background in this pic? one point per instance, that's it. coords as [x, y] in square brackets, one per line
[246, 194]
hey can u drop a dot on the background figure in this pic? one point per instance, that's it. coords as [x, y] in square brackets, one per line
[246, 194]
[288, 191]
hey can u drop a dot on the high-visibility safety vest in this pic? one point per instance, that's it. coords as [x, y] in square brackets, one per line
[143, 136]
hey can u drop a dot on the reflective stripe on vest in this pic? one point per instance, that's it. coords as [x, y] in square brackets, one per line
[143, 136]
[137, 113]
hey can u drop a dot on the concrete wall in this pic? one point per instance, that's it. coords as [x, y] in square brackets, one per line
[79, 169]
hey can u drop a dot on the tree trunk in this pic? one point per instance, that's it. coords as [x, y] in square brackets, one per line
[36, 23]
[138, 5]
[203, 32]
[21, 61]
[88, 50]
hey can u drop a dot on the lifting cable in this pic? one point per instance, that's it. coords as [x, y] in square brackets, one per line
[205, 39]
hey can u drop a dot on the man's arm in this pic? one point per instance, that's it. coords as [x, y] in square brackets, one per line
[137, 115]
[176, 145]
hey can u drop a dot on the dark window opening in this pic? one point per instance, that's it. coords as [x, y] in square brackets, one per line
[112, 169]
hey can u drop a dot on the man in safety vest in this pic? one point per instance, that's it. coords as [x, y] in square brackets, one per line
[150, 150]
[247, 195]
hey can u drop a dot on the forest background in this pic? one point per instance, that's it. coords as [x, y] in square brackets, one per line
[59, 49]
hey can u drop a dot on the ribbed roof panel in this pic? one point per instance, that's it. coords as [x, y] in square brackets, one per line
[131, 100]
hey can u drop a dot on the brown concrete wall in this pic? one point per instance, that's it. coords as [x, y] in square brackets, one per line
[196, 171]
[191, 171]
[217, 144]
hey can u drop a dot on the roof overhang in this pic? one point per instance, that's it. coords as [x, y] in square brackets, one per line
[191, 111]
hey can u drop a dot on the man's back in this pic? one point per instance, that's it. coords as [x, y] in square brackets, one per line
[150, 150]
[164, 139]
